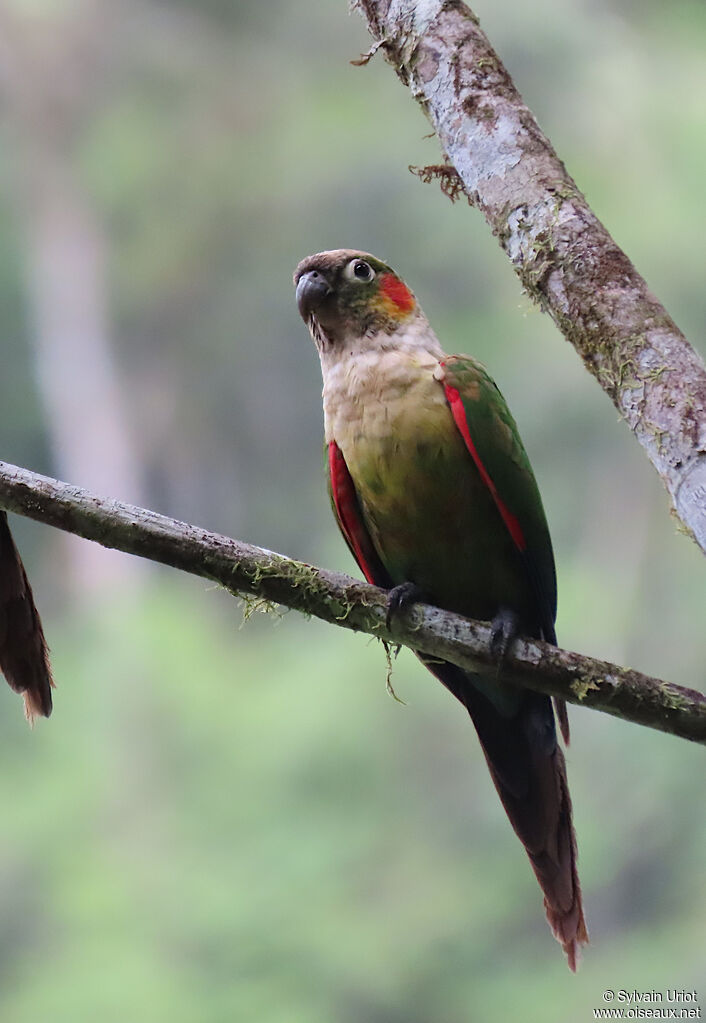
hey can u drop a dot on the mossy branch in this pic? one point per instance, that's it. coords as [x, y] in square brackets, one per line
[497, 155]
[340, 600]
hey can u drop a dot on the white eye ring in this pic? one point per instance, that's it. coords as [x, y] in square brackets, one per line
[359, 270]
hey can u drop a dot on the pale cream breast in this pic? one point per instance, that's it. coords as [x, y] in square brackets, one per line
[373, 394]
[370, 381]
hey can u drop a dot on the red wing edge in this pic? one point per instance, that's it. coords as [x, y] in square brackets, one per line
[514, 528]
[459, 413]
[350, 519]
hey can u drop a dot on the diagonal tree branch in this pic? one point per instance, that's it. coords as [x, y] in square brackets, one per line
[500, 159]
[340, 600]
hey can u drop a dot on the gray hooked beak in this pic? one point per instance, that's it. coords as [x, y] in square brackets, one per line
[312, 289]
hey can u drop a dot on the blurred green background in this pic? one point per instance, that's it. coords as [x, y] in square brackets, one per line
[226, 823]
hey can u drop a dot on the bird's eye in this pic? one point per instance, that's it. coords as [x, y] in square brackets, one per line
[359, 270]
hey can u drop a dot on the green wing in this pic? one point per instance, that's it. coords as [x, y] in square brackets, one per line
[490, 434]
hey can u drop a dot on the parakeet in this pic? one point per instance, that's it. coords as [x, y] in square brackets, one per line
[24, 658]
[435, 497]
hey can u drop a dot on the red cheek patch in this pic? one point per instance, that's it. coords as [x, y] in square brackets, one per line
[397, 292]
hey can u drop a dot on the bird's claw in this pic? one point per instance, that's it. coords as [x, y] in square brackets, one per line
[399, 598]
[503, 630]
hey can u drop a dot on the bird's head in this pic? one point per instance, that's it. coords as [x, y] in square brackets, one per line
[344, 295]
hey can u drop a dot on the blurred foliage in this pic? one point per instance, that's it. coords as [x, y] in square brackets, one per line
[222, 824]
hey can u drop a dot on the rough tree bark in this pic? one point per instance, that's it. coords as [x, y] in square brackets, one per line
[340, 600]
[499, 158]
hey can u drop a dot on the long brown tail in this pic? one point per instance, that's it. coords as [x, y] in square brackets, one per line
[24, 657]
[529, 772]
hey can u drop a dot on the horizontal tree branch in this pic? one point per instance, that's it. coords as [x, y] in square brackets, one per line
[498, 156]
[340, 600]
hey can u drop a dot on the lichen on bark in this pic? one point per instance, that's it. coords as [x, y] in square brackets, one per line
[270, 579]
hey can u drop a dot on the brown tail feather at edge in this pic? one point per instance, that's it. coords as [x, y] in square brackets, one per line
[24, 656]
[529, 772]
[541, 818]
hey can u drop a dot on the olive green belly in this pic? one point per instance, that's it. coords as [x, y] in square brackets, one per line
[432, 519]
